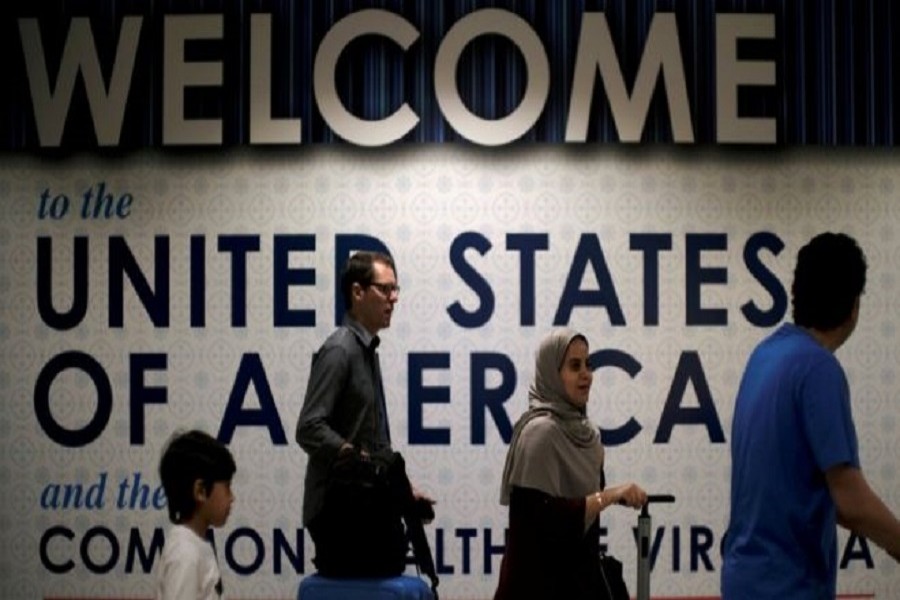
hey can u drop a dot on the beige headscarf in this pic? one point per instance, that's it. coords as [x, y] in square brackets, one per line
[554, 447]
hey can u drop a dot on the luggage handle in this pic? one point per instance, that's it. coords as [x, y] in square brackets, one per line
[656, 499]
[643, 575]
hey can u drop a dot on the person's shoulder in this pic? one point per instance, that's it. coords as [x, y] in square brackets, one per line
[348, 334]
[182, 543]
[541, 436]
[804, 355]
[791, 340]
[806, 345]
[339, 333]
[341, 338]
[540, 426]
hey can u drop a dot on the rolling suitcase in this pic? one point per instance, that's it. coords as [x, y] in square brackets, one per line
[402, 587]
[643, 549]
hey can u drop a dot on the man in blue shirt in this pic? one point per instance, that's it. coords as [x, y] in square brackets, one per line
[795, 462]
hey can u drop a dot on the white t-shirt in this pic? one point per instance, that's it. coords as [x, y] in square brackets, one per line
[188, 569]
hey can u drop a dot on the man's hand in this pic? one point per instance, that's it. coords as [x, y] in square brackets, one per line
[347, 448]
[421, 497]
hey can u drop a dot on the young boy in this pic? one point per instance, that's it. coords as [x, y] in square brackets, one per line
[196, 472]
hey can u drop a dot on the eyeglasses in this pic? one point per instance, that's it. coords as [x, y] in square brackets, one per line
[386, 289]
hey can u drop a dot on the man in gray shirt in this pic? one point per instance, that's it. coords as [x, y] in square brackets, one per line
[344, 413]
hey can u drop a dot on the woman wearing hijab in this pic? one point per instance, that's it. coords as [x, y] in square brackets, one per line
[553, 482]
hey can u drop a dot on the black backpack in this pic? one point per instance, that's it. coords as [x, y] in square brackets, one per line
[372, 499]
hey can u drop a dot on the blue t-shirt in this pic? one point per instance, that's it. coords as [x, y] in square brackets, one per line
[792, 422]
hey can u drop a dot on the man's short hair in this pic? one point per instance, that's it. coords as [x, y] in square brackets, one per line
[830, 275]
[187, 457]
[360, 269]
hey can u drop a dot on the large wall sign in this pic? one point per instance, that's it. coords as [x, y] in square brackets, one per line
[156, 293]
[180, 183]
[211, 74]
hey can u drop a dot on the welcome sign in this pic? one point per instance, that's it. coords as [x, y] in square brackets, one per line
[208, 74]
[181, 184]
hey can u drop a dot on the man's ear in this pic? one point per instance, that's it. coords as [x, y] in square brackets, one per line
[356, 291]
[199, 491]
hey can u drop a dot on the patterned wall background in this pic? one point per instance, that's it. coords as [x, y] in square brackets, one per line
[419, 203]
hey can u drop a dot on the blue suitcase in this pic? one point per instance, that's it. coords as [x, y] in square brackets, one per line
[403, 587]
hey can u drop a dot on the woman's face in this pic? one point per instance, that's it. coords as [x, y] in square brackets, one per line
[576, 373]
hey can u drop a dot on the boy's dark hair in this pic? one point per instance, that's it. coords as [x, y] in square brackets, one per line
[187, 457]
[359, 269]
[830, 275]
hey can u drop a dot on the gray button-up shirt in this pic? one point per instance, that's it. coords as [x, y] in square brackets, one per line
[341, 405]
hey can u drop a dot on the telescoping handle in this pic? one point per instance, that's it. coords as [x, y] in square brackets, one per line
[656, 499]
[643, 574]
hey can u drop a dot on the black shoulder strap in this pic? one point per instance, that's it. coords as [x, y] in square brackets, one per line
[415, 530]
[412, 516]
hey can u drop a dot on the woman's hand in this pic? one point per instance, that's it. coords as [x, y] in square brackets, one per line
[628, 494]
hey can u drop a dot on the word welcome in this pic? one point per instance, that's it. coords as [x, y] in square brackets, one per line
[596, 62]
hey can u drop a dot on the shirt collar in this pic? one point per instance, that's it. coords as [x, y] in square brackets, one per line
[366, 339]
